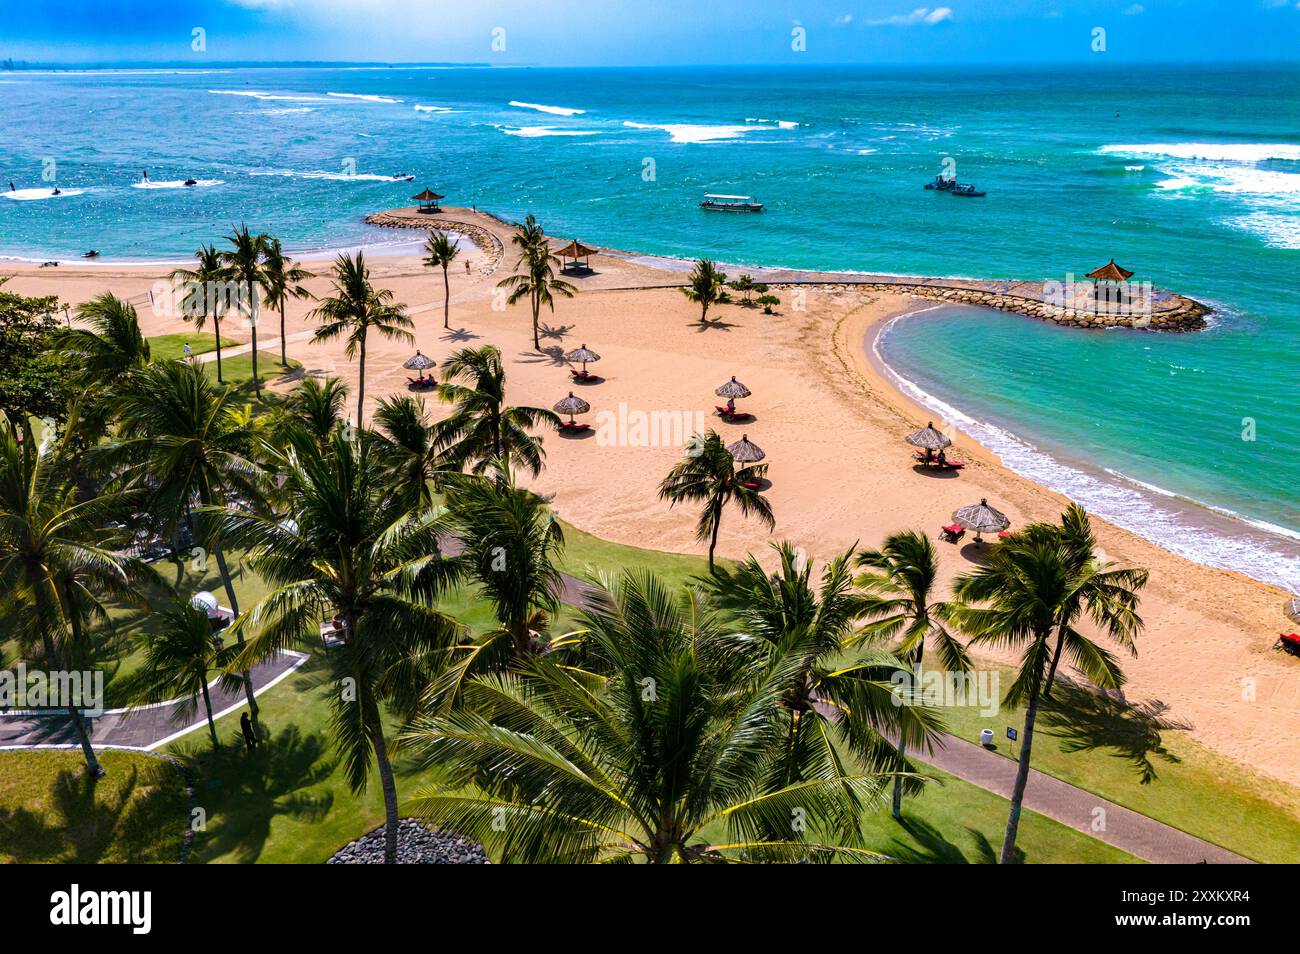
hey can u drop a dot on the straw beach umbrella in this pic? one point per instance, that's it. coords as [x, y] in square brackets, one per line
[418, 362]
[1292, 609]
[572, 405]
[928, 438]
[733, 389]
[583, 354]
[981, 518]
[745, 451]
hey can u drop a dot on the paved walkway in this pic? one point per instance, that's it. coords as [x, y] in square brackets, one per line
[149, 727]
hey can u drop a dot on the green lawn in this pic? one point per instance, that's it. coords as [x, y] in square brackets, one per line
[172, 347]
[50, 810]
[1109, 749]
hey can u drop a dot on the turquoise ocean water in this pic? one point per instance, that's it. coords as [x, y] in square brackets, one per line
[1190, 177]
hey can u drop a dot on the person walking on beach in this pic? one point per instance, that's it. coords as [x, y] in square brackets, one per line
[189, 352]
[246, 727]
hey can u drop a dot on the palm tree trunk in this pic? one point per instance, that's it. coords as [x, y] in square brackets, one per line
[284, 354]
[207, 704]
[239, 636]
[537, 308]
[902, 745]
[257, 385]
[1022, 778]
[216, 332]
[390, 792]
[361, 382]
[1056, 658]
[713, 536]
[446, 298]
[88, 750]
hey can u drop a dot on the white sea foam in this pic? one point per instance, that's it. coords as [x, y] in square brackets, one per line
[781, 123]
[431, 109]
[364, 97]
[285, 111]
[691, 132]
[260, 94]
[331, 176]
[36, 195]
[177, 184]
[1201, 532]
[1276, 231]
[536, 132]
[554, 110]
[1223, 151]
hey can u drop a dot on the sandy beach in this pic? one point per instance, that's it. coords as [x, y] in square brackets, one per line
[830, 422]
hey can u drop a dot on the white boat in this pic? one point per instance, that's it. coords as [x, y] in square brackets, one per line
[730, 203]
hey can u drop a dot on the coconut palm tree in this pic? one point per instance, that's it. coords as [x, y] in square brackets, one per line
[482, 432]
[356, 309]
[706, 287]
[55, 565]
[243, 266]
[1020, 599]
[642, 763]
[410, 449]
[184, 440]
[282, 279]
[110, 346]
[898, 584]
[181, 656]
[842, 696]
[442, 252]
[708, 475]
[316, 405]
[201, 300]
[536, 281]
[349, 554]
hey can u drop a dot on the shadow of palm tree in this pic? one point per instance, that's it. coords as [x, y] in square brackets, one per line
[559, 332]
[549, 354]
[459, 335]
[932, 848]
[141, 820]
[1084, 720]
[713, 324]
[243, 792]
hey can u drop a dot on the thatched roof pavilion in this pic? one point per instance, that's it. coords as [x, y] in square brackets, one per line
[576, 250]
[1110, 272]
[428, 200]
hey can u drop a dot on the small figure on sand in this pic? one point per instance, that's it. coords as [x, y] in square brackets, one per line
[731, 405]
[246, 727]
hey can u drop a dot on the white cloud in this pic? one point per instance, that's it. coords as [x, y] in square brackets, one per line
[1136, 10]
[844, 20]
[921, 15]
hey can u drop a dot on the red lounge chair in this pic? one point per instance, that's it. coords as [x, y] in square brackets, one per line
[1005, 535]
[574, 427]
[1288, 641]
[730, 415]
[952, 532]
[579, 374]
[750, 484]
[952, 464]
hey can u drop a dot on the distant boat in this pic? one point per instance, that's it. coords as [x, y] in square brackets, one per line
[942, 183]
[730, 203]
[191, 182]
[968, 191]
[403, 177]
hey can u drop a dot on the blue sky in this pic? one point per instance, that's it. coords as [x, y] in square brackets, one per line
[650, 32]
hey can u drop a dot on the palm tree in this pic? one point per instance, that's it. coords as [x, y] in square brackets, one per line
[410, 449]
[899, 582]
[348, 553]
[355, 309]
[708, 475]
[111, 346]
[54, 563]
[442, 252]
[554, 764]
[201, 300]
[839, 697]
[316, 405]
[482, 431]
[706, 287]
[537, 281]
[282, 279]
[180, 658]
[243, 265]
[1028, 591]
[185, 440]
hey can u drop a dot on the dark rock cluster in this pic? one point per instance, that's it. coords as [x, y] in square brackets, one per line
[417, 844]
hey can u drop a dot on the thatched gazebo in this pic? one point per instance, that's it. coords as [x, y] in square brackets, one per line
[745, 451]
[981, 518]
[1110, 279]
[428, 200]
[576, 250]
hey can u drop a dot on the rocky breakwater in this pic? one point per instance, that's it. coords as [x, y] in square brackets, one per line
[1162, 311]
[448, 220]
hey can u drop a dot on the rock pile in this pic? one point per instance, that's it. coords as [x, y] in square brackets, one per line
[417, 844]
